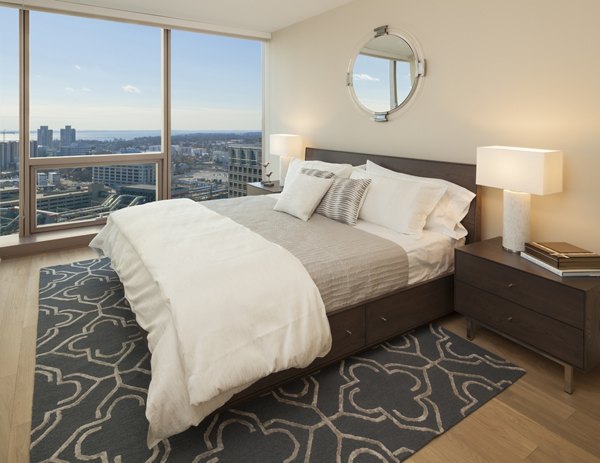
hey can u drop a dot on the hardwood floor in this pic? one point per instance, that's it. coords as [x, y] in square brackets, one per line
[532, 421]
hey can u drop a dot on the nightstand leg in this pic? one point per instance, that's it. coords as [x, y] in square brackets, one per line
[470, 329]
[568, 379]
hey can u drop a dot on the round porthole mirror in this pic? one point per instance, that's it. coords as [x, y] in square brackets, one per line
[384, 74]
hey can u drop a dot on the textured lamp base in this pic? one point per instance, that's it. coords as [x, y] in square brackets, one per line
[516, 220]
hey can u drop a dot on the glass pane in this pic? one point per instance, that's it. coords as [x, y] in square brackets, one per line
[216, 111]
[95, 86]
[87, 193]
[9, 121]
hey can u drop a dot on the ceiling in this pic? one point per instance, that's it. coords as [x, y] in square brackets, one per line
[255, 15]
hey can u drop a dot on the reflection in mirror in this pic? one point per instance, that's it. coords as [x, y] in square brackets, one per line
[385, 73]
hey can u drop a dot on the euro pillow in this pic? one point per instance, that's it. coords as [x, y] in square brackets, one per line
[451, 209]
[302, 197]
[343, 200]
[398, 204]
[296, 165]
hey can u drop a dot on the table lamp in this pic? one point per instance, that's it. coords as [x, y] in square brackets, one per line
[520, 172]
[286, 146]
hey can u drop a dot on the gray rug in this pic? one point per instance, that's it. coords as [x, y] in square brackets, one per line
[92, 373]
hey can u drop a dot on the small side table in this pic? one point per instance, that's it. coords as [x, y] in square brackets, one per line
[553, 316]
[257, 188]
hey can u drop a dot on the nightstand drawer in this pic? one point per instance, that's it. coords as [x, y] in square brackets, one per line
[541, 295]
[546, 334]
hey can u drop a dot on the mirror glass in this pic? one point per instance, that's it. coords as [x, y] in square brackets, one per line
[384, 73]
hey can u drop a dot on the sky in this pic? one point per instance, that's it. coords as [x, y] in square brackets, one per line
[104, 75]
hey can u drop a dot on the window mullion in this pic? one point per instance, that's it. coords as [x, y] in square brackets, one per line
[25, 214]
[164, 172]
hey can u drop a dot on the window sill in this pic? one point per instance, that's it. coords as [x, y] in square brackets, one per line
[15, 246]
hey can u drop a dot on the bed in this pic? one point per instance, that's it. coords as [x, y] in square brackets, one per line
[357, 327]
[351, 323]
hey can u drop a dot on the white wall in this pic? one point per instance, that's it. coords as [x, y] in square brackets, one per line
[508, 72]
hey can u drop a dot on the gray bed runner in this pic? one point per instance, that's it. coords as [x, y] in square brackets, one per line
[347, 265]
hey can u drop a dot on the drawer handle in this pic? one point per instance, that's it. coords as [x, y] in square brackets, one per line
[349, 333]
[383, 319]
[511, 285]
[510, 319]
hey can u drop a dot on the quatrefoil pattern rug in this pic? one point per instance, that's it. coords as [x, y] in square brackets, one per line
[93, 369]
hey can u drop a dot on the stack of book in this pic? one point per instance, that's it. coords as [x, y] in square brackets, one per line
[564, 259]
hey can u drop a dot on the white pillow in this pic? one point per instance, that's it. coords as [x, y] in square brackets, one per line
[302, 197]
[398, 204]
[296, 165]
[451, 209]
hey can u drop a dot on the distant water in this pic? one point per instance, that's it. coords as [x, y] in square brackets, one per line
[107, 135]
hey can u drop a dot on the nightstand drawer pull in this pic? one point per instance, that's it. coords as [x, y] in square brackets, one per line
[349, 333]
[510, 319]
[383, 319]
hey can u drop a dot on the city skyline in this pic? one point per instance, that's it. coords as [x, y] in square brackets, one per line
[104, 75]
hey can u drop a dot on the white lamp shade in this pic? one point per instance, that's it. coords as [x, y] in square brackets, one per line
[282, 144]
[526, 170]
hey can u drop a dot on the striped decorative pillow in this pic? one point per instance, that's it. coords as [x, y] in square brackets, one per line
[343, 200]
[317, 173]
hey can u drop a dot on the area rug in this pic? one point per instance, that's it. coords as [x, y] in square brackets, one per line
[93, 369]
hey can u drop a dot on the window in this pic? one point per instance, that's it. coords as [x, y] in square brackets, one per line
[95, 86]
[9, 121]
[89, 193]
[216, 94]
[98, 107]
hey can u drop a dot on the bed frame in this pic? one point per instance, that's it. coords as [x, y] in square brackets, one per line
[358, 327]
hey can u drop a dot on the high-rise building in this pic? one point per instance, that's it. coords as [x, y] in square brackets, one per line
[245, 166]
[68, 136]
[44, 136]
[144, 174]
[32, 149]
[9, 155]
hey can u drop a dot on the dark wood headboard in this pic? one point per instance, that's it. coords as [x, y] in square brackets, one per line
[460, 174]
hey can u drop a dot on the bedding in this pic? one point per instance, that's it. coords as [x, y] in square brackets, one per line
[448, 212]
[397, 203]
[429, 256]
[347, 265]
[301, 197]
[343, 200]
[296, 166]
[179, 247]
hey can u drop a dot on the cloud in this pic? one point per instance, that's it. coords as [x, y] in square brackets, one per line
[131, 89]
[77, 66]
[366, 77]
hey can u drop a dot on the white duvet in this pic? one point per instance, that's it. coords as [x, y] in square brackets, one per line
[215, 325]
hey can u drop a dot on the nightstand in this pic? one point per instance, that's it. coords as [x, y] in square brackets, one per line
[257, 188]
[556, 317]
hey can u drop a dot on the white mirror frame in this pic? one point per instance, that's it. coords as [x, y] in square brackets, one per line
[420, 66]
